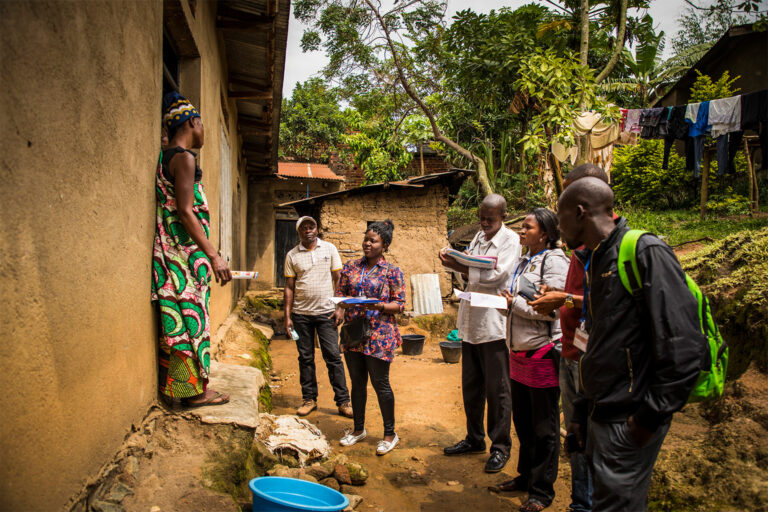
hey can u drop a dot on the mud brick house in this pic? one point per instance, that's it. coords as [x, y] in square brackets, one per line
[272, 227]
[80, 96]
[417, 207]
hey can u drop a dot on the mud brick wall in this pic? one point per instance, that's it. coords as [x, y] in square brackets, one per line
[420, 219]
[432, 163]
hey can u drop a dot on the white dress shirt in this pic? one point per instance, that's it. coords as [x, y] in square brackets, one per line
[481, 325]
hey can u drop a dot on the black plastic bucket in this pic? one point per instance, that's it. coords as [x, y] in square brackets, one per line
[413, 344]
[451, 351]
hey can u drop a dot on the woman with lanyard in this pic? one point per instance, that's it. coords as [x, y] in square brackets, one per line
[371, 350]
[534, 359]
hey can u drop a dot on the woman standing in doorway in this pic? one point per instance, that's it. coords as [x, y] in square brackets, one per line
[183, 261]
[372, 349]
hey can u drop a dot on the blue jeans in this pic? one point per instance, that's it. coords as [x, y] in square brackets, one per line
[581, 479]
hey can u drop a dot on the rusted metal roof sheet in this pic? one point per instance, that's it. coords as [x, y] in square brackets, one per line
[306, 170]
[453, 179]
[426, 297]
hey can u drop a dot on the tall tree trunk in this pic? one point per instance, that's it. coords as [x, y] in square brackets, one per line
[584, 23]
[482, 175]
[619, 43]
[421, 156]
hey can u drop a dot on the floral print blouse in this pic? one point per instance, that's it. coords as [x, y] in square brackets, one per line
[386, 283]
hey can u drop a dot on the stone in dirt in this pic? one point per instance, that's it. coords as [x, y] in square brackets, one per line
[119, 492]
[243, 385]
[357, 473]
[354, 501]
[341, 473]
[292, 434]
[319, 471]
[106, 506]
[330, 482]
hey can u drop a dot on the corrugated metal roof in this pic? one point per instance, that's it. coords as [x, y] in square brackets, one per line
[306, 170]
[426, 297]
[454, 178]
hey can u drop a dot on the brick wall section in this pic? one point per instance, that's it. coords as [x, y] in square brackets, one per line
[420, 219]
[432, 163]
[354, 176]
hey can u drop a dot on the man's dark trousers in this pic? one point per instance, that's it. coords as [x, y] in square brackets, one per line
[485, 377]
[621, 470]
[306, 326]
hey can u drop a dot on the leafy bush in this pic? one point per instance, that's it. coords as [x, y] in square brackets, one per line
[639, 180]
[721, 204]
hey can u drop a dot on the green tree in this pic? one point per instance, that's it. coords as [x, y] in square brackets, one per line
[311, 122]
[373, 45]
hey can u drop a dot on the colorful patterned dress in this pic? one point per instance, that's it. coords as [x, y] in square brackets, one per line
[386, 283]
[180, 288]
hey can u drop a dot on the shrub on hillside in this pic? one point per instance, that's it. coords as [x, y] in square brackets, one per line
[639, 180]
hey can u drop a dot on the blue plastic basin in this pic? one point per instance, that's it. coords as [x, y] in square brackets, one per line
[279, 494]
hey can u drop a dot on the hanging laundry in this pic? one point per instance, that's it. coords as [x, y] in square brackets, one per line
[632, 125]
[725, 119]
[677, 129]
[754, 116]
[623, 118]
[698, 132]
[649, 122]
[691, 112]
[727, 147]
[725, 115]
[603, 158]
[664, 122]
[565, 154]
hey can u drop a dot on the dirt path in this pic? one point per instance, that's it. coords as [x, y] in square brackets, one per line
[416, 476]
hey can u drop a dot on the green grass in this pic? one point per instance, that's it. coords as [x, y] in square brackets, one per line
[677, 226]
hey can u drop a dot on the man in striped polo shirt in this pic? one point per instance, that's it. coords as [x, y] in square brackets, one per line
[312, 271]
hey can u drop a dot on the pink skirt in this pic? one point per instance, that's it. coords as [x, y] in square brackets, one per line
[534, 371]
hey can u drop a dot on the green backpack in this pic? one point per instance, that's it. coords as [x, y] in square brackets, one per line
[712, 378]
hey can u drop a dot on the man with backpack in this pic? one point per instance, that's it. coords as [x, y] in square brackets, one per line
[642, 353]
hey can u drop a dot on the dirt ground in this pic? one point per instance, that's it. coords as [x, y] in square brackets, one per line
[415, 476]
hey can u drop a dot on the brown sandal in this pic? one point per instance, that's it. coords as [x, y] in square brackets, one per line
[216, 398]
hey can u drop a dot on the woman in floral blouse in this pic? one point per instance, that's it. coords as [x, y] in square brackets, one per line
[372, 277]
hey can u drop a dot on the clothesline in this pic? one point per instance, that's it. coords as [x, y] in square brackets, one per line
[724, 119]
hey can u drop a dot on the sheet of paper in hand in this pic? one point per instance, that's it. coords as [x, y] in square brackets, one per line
[482, 300]
[244, 274]
[471, 260]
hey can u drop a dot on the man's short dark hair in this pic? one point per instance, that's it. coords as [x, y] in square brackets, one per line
[584, 170]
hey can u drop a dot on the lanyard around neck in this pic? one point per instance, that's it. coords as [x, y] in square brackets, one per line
[520, 271]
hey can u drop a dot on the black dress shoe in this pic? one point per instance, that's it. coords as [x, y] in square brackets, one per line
[463, 447]
[496, 462]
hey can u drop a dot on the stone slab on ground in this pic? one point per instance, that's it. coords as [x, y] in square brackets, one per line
[243, 384]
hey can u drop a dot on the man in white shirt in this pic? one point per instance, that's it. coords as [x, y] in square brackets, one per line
[312, 271]
[484, 354]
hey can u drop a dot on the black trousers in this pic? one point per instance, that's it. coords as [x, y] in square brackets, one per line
[536, 414]
[360, 367]
[485, 378]
[306, 326]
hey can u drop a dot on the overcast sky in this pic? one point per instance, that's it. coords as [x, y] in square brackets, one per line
[300, 66]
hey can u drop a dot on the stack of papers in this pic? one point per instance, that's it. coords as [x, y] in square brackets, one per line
[482, 300]
[355, 300]
[487, 262]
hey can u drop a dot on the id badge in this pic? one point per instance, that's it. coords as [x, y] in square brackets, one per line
[581, 338]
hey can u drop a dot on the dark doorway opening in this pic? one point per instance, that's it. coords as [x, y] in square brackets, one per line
[286, 239]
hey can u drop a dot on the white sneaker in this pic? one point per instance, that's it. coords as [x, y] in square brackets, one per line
[349, 438]
[385, 447]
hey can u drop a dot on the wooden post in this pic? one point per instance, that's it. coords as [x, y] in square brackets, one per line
[704, 184]
[752, 182]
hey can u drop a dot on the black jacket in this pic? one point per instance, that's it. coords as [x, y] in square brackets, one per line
[643, 357]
